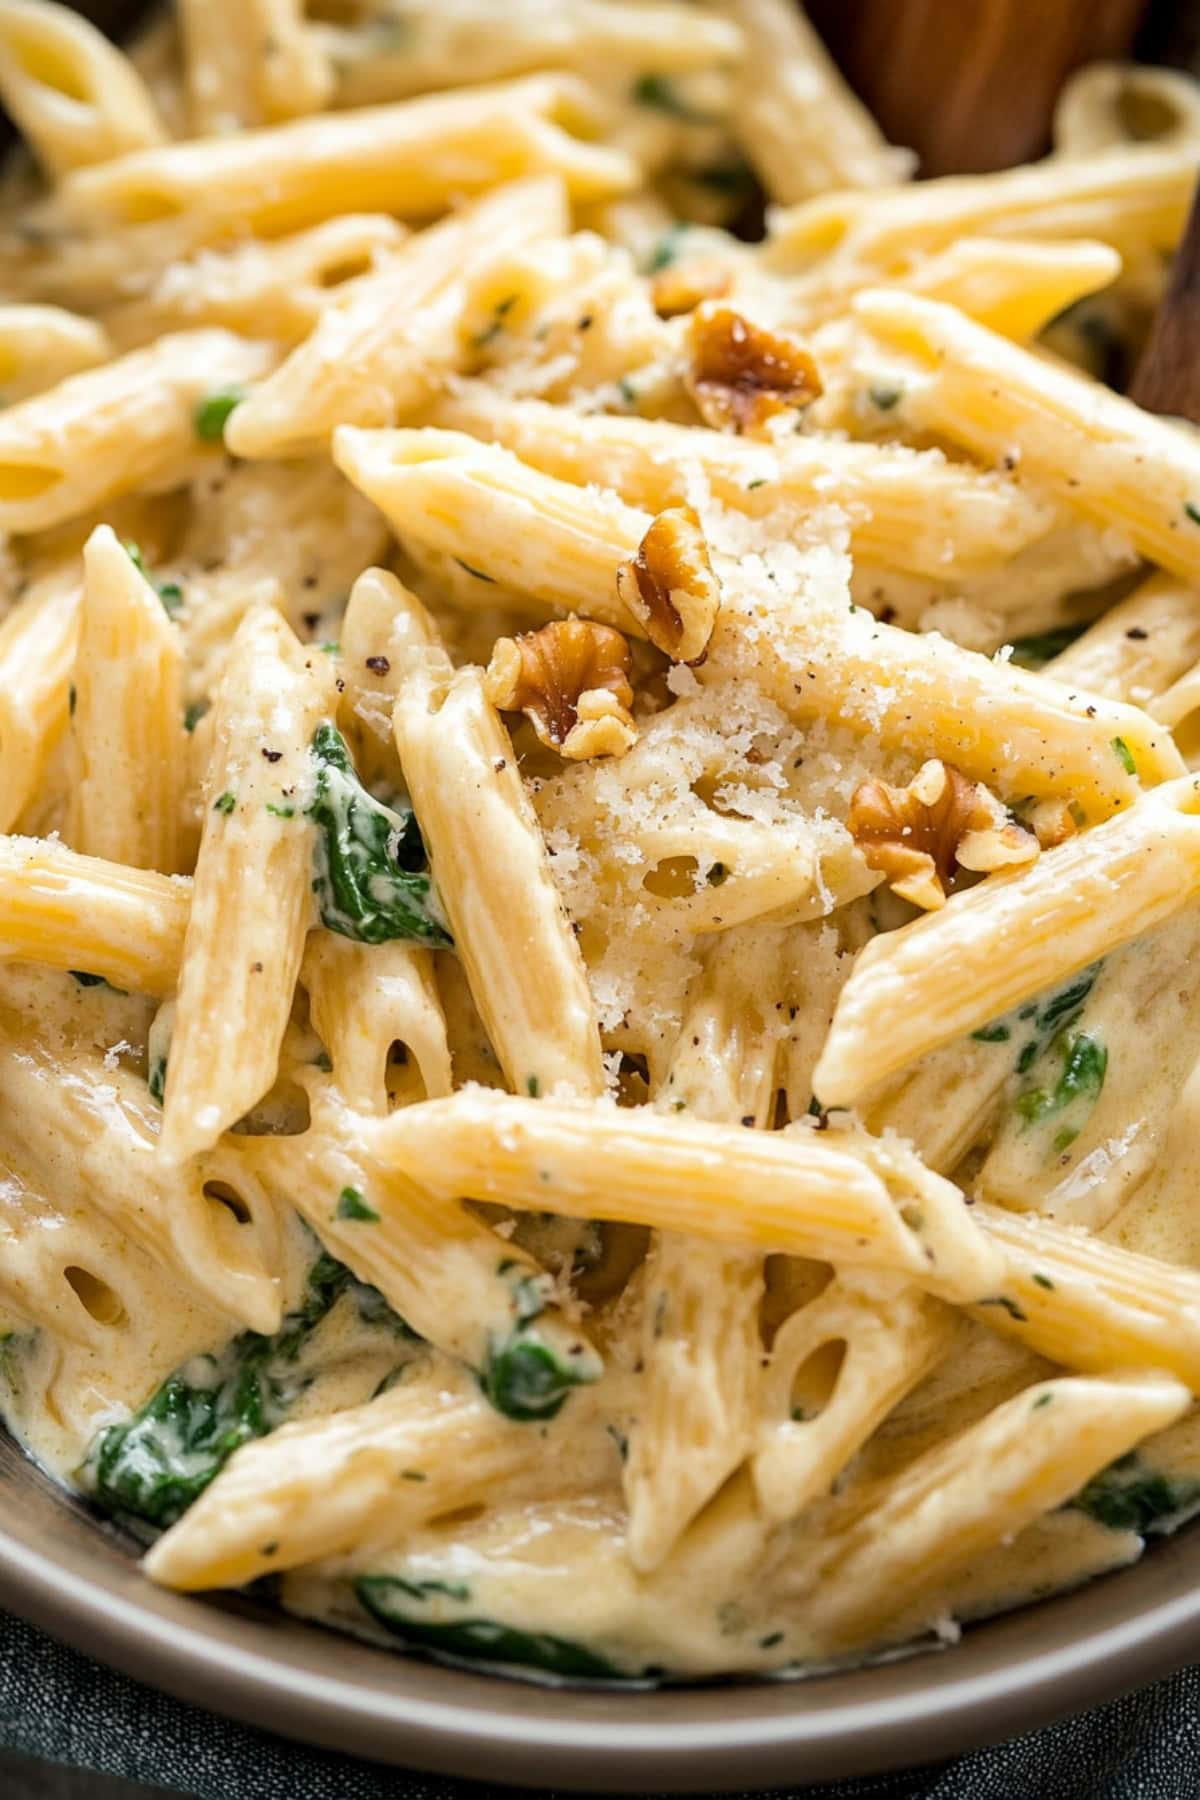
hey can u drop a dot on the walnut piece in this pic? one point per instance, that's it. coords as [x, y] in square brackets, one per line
[1052, 822]
[740, 374]
[680, 287]
[917, 835]
[669, 587]
[571, 680]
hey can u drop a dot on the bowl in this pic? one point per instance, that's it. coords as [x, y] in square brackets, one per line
[74, 1575]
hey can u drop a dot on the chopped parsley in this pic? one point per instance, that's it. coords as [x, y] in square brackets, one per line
[351, 1205]
[193, 714]
[500, 312]
[1124, 755]
[224, 803]
[667, 249]
[661, 94]
[212, 413]
[477, 573]
[1008, 1305]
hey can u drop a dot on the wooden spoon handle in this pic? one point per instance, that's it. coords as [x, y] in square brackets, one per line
[1168, 375]
[970, 84]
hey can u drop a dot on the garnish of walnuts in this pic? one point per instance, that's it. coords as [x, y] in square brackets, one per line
[918, 835]
[741, 375]
[669, 587]
[571, 680]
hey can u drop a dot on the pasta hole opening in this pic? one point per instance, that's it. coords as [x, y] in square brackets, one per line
[146, 205]
[459, 1515]
[26, 481]
[402, 1076]
[98, 1300]
[48, 64]
[284, 1112]
[606, 1259]
[710, 790]
[633, 1079]
[789, 1283]
[1143, 114]
[814, 1381]
[219, 1193]
[348, 269]
[674, 878]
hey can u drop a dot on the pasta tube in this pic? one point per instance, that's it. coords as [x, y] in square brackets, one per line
[107, 431]
[41, 345]
[451, 1278]
[85, 1132]
[248, 62]
[907, 509]
[841, 1200]
[72, 95]
[486, 852]
[454, 47]
[368, 999]
[889, 1341]
[1099, 453]
[951, 972]
[379, 347]
[128, 719]
[78, 912]
[802, 128]
[1039, 1449]
[252, 894]
[479, 504]
[365, 1477]
[37, 652]
[413, 159]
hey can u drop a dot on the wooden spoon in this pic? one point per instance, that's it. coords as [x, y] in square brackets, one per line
[1168, 376]
[970, 84]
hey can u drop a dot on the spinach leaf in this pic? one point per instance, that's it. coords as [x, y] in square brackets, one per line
[480, 1640]
[1040, 1021]
[526, 1378]
[152, 1466]
[369, 875]
[1085, 1063]
[1130, 1495]
[1032, 652]
[525, 1375]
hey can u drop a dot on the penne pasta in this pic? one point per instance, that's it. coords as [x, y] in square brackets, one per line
[360, 366]
[252, 887]
[128, 804]
[108, 430]
[790, 1192]
[76, 99]
[1010, 938]
[412, 159]
[1102, 455]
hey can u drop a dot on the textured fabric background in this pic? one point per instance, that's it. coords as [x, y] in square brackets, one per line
[61, 1707]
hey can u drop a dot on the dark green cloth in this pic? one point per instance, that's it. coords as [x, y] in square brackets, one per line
[59, 1706]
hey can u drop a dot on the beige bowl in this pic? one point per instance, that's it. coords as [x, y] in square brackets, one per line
[77, 1577]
